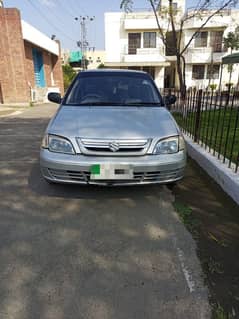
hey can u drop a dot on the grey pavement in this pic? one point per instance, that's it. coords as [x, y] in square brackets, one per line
[12, 110]
[77, 252]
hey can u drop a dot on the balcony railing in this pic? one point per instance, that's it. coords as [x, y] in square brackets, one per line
[203, 55]
[143, 14]
[225, 12]
[206, 50]
[132, 50]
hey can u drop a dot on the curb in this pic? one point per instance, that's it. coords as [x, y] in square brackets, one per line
[10, 114]
[224, 176]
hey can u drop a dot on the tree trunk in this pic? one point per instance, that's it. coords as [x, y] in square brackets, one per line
[181, 77]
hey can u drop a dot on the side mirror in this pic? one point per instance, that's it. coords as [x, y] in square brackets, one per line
[170, 99]
[54, 97]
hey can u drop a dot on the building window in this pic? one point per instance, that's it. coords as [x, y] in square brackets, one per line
[213, 71]
[198, 72]
[134, 42]
[216, 41]
[201, 40]
[38, 68]
[149, 39]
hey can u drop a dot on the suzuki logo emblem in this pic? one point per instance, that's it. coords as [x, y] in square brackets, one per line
[114, 147]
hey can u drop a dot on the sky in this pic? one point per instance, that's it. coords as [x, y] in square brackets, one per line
[58, 17]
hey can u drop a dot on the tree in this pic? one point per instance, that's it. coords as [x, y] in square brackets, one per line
[68, 75]
[231, 41]
[176, 23]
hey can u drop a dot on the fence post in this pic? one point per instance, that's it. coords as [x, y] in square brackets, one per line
[198, 113]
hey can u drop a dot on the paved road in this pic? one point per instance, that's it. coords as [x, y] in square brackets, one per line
[87, 252]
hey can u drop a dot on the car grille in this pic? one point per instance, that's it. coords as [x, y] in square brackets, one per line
[111, 147]
[158, 176]
[138, 177]
[69, 175]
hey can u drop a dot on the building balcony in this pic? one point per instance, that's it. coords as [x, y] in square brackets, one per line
[143, 55]
[142, 21]
[203, 55]
[221, 20]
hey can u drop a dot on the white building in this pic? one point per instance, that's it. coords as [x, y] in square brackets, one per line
[95, 58]
[132, 41]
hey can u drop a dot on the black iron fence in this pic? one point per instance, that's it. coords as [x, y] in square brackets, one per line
[212, 120]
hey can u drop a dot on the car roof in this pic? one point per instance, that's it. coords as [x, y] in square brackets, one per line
[123, 71]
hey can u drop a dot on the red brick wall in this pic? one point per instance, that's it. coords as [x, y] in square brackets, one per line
[57, 70]
[13, 81]
[16, 61]
[29, 64]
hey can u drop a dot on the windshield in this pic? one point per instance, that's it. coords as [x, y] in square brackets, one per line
[113, 89]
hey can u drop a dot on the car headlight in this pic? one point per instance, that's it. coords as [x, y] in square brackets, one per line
[57, 144]
[170, 145]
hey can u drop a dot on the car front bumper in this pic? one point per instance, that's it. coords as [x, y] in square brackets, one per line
[147, 169]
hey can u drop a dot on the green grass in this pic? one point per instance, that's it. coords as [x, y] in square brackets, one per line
[216, 129]
[186, 215]
[219, 313]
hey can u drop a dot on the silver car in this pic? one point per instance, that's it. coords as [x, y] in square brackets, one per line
[112, 128]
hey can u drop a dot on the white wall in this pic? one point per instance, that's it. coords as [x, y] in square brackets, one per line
[202, 84]
[142, 21]
[115, 36]
[226, 74]
[93, 56]
[39, 39]
[159, 77]
[219, 171]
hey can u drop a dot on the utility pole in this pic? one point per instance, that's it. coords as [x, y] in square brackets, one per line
[83, 43]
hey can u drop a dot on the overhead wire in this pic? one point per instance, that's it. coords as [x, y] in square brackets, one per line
[78, 6]
[69, 11]
[66, 9]
[50, 22]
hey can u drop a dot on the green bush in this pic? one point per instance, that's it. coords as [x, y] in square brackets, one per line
[68, 75]
[212, 86]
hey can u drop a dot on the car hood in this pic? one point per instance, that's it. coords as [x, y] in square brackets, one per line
[113, 122]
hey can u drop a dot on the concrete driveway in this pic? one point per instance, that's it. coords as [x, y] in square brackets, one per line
[88, 252]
